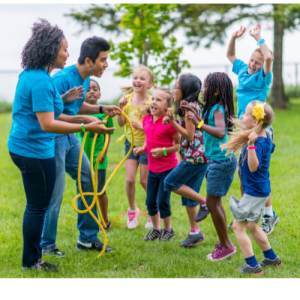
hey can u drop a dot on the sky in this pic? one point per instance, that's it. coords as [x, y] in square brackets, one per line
[15, 29]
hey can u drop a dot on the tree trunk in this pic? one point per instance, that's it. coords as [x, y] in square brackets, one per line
[278, 97]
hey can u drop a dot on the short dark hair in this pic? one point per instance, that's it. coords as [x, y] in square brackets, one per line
[91, 48]
[42, 48]
[96, 83]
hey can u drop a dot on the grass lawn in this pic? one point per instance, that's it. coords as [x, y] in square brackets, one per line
[135, 258]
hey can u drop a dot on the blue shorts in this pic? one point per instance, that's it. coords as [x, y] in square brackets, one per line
[158, 200]
[142, 159]
[187, 174]
[219, 176]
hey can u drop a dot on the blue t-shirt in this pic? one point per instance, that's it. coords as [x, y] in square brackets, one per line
[250, 87]
[67, 79]
[212, 144]
[257, 184]
[35, 92]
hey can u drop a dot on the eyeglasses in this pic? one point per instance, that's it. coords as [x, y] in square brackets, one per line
[176, 88]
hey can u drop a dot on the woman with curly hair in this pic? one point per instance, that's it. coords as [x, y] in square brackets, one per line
[36, 106]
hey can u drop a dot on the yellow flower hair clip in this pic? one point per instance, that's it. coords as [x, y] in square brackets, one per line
[258, 112]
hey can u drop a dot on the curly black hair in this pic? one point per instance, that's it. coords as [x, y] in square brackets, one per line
[43, 46]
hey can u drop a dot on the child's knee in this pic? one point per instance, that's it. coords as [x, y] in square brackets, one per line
[143, 182]
[252, 226]
[130, 181]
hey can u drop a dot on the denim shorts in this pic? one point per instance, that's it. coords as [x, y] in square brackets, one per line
[187, 174]
[158, 200]
[270, 131]
[219, 176]
[101, 180]
[142, 159]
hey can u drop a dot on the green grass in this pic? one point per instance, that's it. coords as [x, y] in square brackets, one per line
[135, 258]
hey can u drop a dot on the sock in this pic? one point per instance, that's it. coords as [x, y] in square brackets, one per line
[203, 204]
[157, 229]
[269, 211]
[131, 211]
[194, 231]
[168, 229]
[270, 254]
[251, 261]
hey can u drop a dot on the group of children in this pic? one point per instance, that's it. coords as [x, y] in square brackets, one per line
[200, 134]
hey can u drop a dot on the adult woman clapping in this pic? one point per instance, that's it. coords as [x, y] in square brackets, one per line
[36, 106]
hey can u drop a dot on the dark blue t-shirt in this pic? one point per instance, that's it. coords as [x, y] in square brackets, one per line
[257, 184]
[67, 79]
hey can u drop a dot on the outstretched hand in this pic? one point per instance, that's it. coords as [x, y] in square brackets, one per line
[111, 110]
[255, 31]
[73, 94]
[239, 32]
[187, 107]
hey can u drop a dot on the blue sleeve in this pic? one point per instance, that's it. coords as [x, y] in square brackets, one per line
[237, 66]
[265, 80]
[43, 94]
[259, 153]
[61, 84]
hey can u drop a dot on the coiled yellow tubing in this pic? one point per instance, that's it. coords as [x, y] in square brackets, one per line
[95, 179]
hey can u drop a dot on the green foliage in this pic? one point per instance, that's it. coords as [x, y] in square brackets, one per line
[135, 258]
[5, 106]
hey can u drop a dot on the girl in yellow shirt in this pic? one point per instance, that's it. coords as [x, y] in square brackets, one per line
[135, 100]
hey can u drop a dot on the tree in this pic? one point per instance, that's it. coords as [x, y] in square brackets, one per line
[145, 25]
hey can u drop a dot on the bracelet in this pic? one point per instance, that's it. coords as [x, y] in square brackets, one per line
[260, 42]
[165, 152]
[100, 109]
[200, 124]
[82, 126]
[254, 147]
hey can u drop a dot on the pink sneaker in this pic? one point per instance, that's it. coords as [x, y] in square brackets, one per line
[132, 218]
[221, 253]
[149, 224]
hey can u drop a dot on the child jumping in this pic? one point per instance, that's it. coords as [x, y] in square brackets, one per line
[256, 145]
[162, 143]
[186, 179]
[217, 93]
[133, 103]
[254, 79]
[92, 96]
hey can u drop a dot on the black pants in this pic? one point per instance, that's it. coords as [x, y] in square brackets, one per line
[38, 180]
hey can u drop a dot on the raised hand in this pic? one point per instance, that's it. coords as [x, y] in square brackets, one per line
[166, 120]
[239, 32]
[170, 115]
[73, 94]
[252, 138]
[187, 107]
[123, 101]
[255, 31]
[193, 117]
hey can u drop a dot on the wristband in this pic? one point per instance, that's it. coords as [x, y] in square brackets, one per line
[100, 109]
[82, 126]
[165, 152]
[260, 42]
[254, 147]
[200, 124]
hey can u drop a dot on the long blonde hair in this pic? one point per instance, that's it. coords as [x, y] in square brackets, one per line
[239, 139]
[146, 110]
[129, 89]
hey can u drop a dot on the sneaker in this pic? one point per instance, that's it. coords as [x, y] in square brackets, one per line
[221, 253]
[132, 219]
[107, 228]
[46, 267]
[247, 269]
[149, 224]
[98, 246]
[192, 239]
[202, 214]
[268, 223]
[167, 235]
[276, 262]
[230, 226]
[53, 251]
[152, 235]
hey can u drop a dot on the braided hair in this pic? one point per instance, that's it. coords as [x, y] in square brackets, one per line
[43, 46]
[222, 83]
[190, 86]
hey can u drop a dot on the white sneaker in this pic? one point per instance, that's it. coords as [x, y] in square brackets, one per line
[149, 224]
[132, 218]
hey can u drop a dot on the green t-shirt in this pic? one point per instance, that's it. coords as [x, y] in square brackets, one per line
[99, 143]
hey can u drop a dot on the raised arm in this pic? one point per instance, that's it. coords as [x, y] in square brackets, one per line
[88, 109]
[255, 32]
[120, 118]
[231, 47]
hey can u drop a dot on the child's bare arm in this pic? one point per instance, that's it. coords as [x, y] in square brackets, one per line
[231, 47]
[253, 162]
[120, 118]
[255, 32]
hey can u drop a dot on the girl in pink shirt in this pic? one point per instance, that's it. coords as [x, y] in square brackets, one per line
[162, 143]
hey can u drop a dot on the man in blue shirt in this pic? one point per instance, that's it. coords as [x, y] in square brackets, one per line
[91, 62]
[254, 79]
